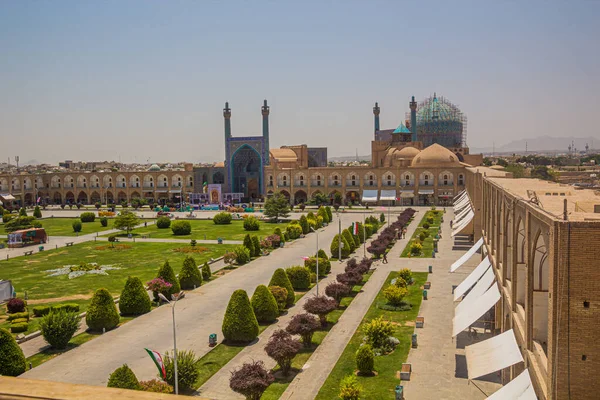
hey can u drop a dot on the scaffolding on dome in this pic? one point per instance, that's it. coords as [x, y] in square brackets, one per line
[440, 121]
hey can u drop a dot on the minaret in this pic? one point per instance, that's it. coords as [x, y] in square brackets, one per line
[265, 131]
[376, 111]
[227, 116]
[413, 118]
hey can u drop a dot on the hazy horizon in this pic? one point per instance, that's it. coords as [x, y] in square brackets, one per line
[141, 81]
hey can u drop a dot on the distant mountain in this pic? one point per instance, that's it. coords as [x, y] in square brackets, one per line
[541, 144]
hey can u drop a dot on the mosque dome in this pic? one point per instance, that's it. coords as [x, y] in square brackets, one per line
[408, 152]
[435, 156]
[154, 167]
[440, 121]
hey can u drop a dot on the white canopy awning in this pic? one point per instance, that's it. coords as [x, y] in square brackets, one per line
[7, 196]
[474, 310]
[388, 195]
[519, 388]
[463, 259]
[459, 196]
[369, 196]
[461, 202]
[462, 208]
[478, 290]
[462, 213]
[464, 222]
[492, 355]
[405, 194]
[425, 191]
[472, 278]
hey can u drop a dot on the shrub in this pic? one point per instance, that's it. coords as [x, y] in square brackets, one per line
[256, 244]
[399, 282]
[329, 213]
[40, 311]
[180, 228]
[76, 226]
[87, 217]
[229, 257]
[251, 380]
[187, 369]
[382, 218]
[394, 294]
[280, 295]
[320, 306]
[299, 277]
[282, 348]
[350, 388]
[304, 325]
[68, 307]
[239, 322]
[293, 230]
[277, 232]
[97, 205]
[377, 332]
[19, 320]
[365, 359]
[416, 249]
[190, 276]
[112, 238]
[248, 244]
[15, 305]
[104, 221]
[334, 248]
[124, 378]
[12, 359]
[134, 299]
[193, 242]
[163, 222]
[168, 275]
[405, 274]
[369, 230]
[222, 218]
[348, 237]
[20, 315]
[430, 220]
[156, 386]
[422, 236]
[350, 278]
[321, 254]
[251, 223]
[19, 327]
[102, 312]
[425, 225]
[304, 224]
[281, 279]
[58, 327]
[206, 273]
[37, 212]
[242, 254]
[337, 290]
[22, 212]
[324, 265]
[264, 305]
[158, 285]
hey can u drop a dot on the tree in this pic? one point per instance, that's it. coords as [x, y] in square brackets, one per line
[166, 273]
[256, 244]
[123, 378]
[276, 207]
[382, 218]
[126, 221]
[304, 325]
[251, 380]
[102, 312]
[321, 306]
[20, 223]
[329, 213]
[248, 244]
[58, 327]
[76, 226]
[304, 224]
[337, 199]
[517, 170]
[37, 212]
[282, 348]
[543, 172]
[334, 248]
[206, 273]
[239, 322]
[337, 290]
[190, 276]
[22, 212]
[12, 359]
[264, 304]
[134, 299]
[281, 279]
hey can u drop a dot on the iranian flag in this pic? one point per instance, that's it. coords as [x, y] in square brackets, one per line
[158, 361]
[355, 228]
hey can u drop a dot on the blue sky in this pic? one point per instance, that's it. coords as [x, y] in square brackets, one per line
[146, 80]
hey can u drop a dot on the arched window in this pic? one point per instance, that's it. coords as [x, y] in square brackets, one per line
[461, 179]
[318, 180]
[285, 180]
[335, 180]
[370, 180]
[445, 179]
[353, 180]
[389, 180]
[270, 180]
[426, 181]
[301, 180]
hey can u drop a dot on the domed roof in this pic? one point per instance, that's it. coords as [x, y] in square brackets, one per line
[408, 152]
[154, 167]
[435, 156]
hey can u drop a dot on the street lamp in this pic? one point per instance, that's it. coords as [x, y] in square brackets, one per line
[317, 257]
[340, 242]
[172, 303]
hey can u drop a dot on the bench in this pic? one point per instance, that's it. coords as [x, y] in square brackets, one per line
[28, 253]
[69, 244]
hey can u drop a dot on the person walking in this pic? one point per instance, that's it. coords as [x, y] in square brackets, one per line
[385, 260]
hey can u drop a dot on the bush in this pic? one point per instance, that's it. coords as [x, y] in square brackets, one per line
[337, 290]
[394, 294]
[19, 321]
[369, 230]
[229, 257]
[15, 305]
[281, 279]
[422, 236]
[251, 380]
[348, 238]
[321, 254]
[430, 220]
[304, 325]
[134, 299]
[40, 311]
[382, 218]
[12, 359]
[37, 212]
[206, 273]
[22, 212]
[329, 213]
[282, 348]
[163, 222]
[123, 378]
[280, 295]
[187, 369]
[242, 255]
[399, 282]
[256, 244]
[264, 305]
[19, 327]
[350, 389]
[168, 275]
[102, 312]
[104, 221]
[239, 322]
[193, 242]
[293, 231]
[251, 223]
[76, 226]
[112, 238]
[304, 224]
[277, 232]
[365, 359]
[19, 315]
[350, 278]
[58, 327]
[405, 274]
[180, 228]
[87, 217]
[320, 306]
[190, 276]
[299, 277]
[248, 244]
[334, 248]
[156, 386]
[222, 218]
[324, 265]
[416, 249]
[377, 332]
[425, 225]
[68, 307]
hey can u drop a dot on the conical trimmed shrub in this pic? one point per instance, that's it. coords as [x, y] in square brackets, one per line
[277, 232]
[346, 250]
[239, 322]
[190, 276]
[12, 359]
[281, 279]
[256, 244]
[264, 304]
[206, 272]
[348, 237]
[124, 378]
[102, 312]
[248, 244]
[321, 254]
[166, 272]
[134, 299]
[304, 224]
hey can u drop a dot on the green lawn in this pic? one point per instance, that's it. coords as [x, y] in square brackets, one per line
[64, 226]
[382, 385]
[433, 230]
[206, 229]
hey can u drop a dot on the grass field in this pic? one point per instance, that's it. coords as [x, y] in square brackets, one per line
[206, 229]
[382, 385]
[428, 242]
[64, 226]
